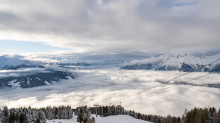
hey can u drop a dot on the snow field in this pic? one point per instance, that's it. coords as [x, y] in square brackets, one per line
[109, 119]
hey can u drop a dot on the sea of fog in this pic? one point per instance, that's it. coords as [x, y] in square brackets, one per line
[105, 85]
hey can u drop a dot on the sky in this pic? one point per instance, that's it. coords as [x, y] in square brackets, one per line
[109, 26]
[25, 46]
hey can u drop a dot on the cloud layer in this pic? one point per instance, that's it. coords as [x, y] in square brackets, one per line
[106, 86]
[28, 71]
[114, 26]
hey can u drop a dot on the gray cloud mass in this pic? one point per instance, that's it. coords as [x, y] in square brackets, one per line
[106, 86]
[114, 26]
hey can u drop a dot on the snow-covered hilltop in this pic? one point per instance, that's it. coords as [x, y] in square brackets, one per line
[13, 62]
[186, 63]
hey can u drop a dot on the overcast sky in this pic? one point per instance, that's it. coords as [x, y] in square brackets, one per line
[110, 26]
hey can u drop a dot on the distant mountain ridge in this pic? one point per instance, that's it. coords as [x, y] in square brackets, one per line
[13, 63]
[185, 63]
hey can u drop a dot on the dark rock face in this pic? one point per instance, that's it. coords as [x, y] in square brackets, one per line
[186, 68]
[69, 64]
[216, 68]
[172, 68]
[34, 80]
[138, 67]
[163, 68]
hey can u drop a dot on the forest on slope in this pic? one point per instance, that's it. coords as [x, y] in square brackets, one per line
[83, 113]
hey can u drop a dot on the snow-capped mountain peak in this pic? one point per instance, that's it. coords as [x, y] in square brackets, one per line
[179, 62]
[14, 62]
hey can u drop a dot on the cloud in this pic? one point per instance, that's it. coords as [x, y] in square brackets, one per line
[106, 86]
[114, 26]
[27, 71]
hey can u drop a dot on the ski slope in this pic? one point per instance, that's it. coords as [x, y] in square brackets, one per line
[109, 119]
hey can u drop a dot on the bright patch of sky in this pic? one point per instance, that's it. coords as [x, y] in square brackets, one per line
[24, 46]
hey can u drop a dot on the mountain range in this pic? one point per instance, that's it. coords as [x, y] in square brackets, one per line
[13, 63]
[38, 73]
[185, 63]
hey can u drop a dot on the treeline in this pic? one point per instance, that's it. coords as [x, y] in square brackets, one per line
[197, 115]
[84, 115]
[36, 115]
[202, 115]
[104, 111]
[155, 118]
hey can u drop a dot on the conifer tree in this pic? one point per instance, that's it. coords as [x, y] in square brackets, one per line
[184, 115]
[85, 120]
[159, 121]
[93, 119]
[203, 116]
[6, 111]
[16, 117]
[38, 120]
[215, 118]
[80, 118]
[11, 118]
[21, 118]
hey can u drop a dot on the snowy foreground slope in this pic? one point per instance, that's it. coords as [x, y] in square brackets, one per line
[109, 119]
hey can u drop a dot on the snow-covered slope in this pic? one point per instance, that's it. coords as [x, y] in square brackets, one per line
[12, 63]
[109, 119]
[184, 63]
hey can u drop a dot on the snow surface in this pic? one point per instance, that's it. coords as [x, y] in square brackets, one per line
[109, 119]
[13, 84]
[47, 83]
